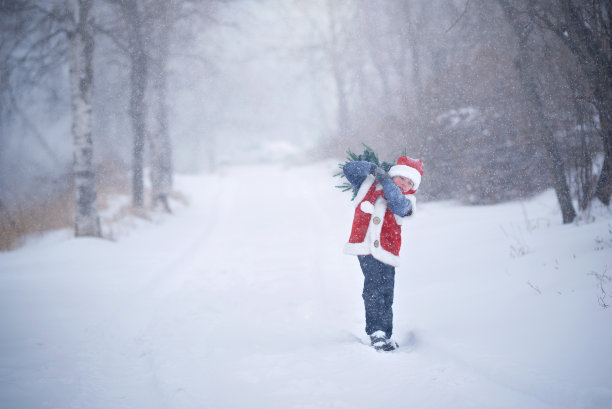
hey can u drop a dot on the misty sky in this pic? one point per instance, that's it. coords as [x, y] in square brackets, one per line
[264, 91]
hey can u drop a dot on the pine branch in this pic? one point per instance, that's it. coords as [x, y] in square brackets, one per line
[368, 155]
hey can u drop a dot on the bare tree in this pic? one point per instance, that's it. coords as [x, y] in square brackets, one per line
[524, 66]
[145, 36]
[586, 29]
[32, 50]
[134, 21]
[130, 37]
[336, 56]
[159, 137]
[334, 49]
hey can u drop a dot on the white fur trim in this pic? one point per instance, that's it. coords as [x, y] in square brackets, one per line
[363, 190]
[383, 255]
[357, 249]
[367, 207]
[408, 172]
[413, 201]
[398, 219]
[367, 246]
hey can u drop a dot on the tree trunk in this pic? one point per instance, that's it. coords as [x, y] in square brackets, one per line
[342, 100]
[603, 190]
[338, 75]
[138, 82]
[161, 147]
[553, 158]
[585, 29]
[410, 18]
[81, 43]
[594, 36]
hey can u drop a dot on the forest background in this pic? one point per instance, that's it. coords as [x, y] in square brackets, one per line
[502, 99]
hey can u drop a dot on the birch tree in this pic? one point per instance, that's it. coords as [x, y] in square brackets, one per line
[50, 35]
[81, 46]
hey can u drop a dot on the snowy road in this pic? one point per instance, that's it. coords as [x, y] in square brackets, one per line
[245, 300]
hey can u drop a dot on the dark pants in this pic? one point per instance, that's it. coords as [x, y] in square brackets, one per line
[378, 284]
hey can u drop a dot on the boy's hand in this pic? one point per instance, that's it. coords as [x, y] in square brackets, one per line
[379, 173]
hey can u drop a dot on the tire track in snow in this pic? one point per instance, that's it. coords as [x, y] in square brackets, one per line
[125, 332]
[169, 276]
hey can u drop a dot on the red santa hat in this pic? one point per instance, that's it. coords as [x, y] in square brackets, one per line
[410, 168]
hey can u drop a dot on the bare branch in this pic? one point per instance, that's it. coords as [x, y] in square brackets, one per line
[467, 3]
[112, 35]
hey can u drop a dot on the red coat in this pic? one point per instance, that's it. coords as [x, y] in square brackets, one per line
[376, 230]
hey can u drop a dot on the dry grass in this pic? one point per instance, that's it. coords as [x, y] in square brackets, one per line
[34, 217]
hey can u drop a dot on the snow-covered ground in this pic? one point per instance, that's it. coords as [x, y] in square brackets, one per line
[243, 299]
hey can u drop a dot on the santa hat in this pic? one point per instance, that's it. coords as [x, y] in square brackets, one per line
[410, 168]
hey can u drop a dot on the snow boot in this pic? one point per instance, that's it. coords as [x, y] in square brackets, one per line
[380, 342]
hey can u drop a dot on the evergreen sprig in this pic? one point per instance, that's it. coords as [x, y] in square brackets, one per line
[368, 155]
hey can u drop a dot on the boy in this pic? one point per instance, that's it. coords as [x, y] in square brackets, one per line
[383, 200]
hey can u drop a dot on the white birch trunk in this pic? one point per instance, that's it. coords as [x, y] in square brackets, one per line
[81, 44]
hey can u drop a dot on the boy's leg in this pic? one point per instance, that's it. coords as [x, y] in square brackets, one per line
[377, 294]
[388, 286]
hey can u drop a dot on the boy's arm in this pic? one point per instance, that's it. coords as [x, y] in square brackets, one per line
[397, 202]
[357, 171]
